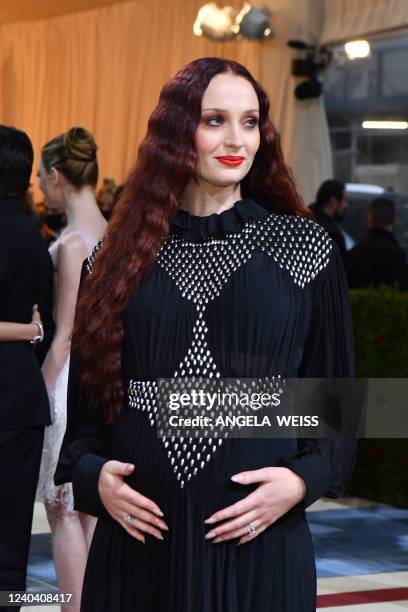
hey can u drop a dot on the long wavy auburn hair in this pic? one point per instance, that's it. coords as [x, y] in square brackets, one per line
[166, 162]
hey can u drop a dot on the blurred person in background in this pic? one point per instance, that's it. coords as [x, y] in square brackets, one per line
[330, 207]
[49, 220]
[55, 220]
[106, 197]
[378, 258]
[25, 279]
[68, 174]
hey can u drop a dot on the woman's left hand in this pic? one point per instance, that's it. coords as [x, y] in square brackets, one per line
[279, 490]
[36, 314]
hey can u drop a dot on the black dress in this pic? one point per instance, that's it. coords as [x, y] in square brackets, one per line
[245, 293]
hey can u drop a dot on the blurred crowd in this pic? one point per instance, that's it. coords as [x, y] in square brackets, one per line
[378, 258]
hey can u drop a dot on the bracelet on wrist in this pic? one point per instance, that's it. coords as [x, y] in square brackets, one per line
[39, 337]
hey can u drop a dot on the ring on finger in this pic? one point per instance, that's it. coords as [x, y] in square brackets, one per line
[128, 519]
[251, 529]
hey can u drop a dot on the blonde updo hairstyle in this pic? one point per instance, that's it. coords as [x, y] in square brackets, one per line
[74, 155]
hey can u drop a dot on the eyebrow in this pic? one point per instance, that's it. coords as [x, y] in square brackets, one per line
[224, 110]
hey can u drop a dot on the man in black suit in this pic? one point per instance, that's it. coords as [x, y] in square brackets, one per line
[25, 280]
[378, 258]
[330, 207]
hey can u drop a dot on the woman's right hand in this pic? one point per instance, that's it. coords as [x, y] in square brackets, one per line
[120, 500]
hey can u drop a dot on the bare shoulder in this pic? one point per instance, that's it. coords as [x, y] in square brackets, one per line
[72, 245]
[72, 250]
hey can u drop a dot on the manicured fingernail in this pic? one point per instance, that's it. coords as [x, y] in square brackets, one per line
[158, 512]
[217, 540]
[237, 478]
[210, 535]
[130, 466]
[209, 521]
[160, 537]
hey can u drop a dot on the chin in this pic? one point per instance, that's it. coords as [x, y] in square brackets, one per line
[222, 184]
[228, 178]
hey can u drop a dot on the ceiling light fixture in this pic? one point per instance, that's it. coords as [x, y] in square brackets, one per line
[214, 22]
[223, 24]
[253, 23]
[385, 125]
[357, 49]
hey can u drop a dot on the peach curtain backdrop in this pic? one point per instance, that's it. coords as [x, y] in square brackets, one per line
[348, 19]
[102, 69]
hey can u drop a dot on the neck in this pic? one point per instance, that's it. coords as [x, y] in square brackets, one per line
[201, 198]
[80, 206]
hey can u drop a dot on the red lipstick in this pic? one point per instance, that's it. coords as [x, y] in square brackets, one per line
[231, 160]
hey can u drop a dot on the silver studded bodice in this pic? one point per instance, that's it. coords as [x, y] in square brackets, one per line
[200, 270]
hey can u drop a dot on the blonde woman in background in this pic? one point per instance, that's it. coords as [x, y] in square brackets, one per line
[68, 174]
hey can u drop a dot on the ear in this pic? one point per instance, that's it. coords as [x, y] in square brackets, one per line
[55, 177]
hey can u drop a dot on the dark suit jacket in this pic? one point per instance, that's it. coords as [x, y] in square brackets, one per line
[331, 227]
[377, 259]
[26, 278]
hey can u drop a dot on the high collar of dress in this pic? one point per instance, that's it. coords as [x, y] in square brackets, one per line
[230, 221]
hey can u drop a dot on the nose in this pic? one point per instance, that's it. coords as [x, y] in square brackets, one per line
[233, 136]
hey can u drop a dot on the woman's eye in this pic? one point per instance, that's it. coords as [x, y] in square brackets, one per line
[217, 121]
[214, 121]
[251, 122]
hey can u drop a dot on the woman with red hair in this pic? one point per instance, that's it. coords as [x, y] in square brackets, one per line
[211, 269]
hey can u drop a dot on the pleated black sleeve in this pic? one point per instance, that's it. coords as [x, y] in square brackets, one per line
[326, 465]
